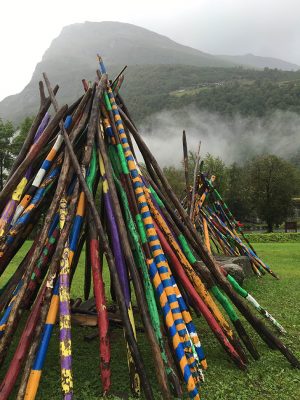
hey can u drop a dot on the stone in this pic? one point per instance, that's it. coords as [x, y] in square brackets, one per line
[236, 271]
[242, 261]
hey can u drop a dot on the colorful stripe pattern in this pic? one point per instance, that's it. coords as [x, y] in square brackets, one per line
[198, 284]
[11, 206]
[45, 167]
[172, 329]
[122, 273]
[158, 267]
[140, 261]
[36, 371]
[25, 218]
[65, 314]
[41, 264]
[242, 292]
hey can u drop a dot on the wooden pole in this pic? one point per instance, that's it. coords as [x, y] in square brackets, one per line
[45, 103]
[32, 154]
[195, 183]
[159, 366]
[109, 257]
[186, 170]
[50, 281]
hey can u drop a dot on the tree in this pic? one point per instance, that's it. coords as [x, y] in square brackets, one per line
[273, 181]
[21, 134]
[237, 193]
[6, 155]
[175, 177]
[211, 166]
[215, 166]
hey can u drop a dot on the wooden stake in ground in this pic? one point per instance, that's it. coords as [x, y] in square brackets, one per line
[186, 170]
[195, 182]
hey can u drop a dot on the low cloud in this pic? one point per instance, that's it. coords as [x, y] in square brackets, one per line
[233, 139]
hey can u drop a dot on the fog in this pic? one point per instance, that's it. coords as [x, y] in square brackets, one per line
[232, 139]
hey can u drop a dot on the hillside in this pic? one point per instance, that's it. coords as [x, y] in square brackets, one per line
[226, 91]
[150, 57]
[253, 61]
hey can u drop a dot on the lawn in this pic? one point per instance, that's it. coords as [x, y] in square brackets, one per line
[270, 377]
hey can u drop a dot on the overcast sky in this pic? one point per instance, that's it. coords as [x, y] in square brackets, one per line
[261, 27]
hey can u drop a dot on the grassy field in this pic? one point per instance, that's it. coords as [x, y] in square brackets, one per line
[271, 377]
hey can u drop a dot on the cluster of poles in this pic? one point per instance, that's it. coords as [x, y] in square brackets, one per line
[213, 218]
[77, 182]
[220, 231]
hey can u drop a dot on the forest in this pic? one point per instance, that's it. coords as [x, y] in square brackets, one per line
[259, 191]
[227, 91]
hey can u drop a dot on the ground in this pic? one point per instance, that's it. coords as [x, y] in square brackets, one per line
[270, 377]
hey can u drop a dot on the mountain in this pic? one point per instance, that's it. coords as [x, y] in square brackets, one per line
[72, 56]
[253, 61]
[120, 43]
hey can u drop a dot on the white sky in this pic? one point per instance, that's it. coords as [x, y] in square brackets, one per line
[261, 27]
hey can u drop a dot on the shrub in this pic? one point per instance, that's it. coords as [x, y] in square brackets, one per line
[273, 237]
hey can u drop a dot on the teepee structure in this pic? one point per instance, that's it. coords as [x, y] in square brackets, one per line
[77, 182]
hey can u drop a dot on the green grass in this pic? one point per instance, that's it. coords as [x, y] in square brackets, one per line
[270, 377]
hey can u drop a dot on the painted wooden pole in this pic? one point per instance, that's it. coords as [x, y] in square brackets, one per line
[65, 313]
[108, 254]
[11, 206]
[186, 170]
[160, 259]
[51, 278]
[133, 271]
[36, 371]
[32, 154]
[140, 260]
[195, 182]
[45, 103]
[20, 353]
